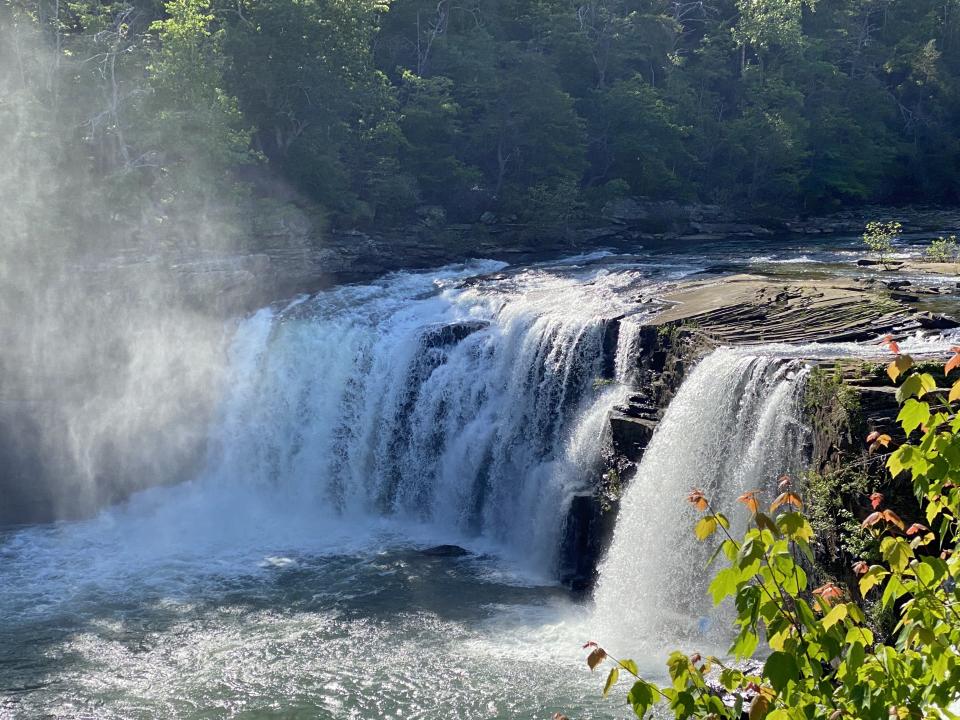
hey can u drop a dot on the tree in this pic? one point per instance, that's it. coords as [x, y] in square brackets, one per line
[880, 236]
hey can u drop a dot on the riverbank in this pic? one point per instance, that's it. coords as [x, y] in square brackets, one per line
[287, 250]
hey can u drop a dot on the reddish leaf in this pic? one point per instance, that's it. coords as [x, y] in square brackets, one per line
[695, 658]
[860, 567]
[876, 500]
[828, 592]
[891, 517]
[784, 482]
[750, 500]
[873, 436]
[596, 657]
[915, 528]
[698, 500]
[591, 643]
[785, 498]
[952, 362]
[872, 519]
[759, 707]
[890, 343]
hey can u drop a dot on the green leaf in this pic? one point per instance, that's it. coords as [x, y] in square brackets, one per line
[678, 665]
[706, 527]
[795, 526]
[913, 414]
[858, 634]
[894, 590]
[611, 680]
[838, 613]
[630, 666]
[854, 658]
[901, 459]
[872, 578]
[745, 644]
[781, 668]
[683, 704]
[896, 552]
[916, 386]
[764, 522]
[724, 584]
[641, 697]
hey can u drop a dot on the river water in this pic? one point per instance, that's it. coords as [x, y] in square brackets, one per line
[308, 570]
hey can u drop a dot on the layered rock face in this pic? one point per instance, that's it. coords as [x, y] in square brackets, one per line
[745, 310]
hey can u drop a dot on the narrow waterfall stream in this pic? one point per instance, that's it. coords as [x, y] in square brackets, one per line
[358, 428]
[734, 426]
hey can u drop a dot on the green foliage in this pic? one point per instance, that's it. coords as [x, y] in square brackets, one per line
[831, 403]
[825, 660]
[187, 119]
[373, 109]
[943, 250]
[879, 238]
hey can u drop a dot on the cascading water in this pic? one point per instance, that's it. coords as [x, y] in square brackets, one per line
[733, 426]
[471, 408]
[424, 409]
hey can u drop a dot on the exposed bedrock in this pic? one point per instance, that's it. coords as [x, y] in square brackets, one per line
[735, 310]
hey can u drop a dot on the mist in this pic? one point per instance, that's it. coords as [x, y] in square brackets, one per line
[111, 347]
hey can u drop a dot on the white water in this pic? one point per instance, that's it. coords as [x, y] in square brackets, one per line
[282, 580]
[468, 408]
[359, 412]
[733, 426]
[418, 410]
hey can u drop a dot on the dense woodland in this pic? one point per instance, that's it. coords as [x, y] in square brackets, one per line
[374, 110]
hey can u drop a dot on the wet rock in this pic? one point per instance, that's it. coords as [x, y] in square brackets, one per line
[446, 551]
[936, 321]
[630, 435]
[889, 265]
[586, 534]
[729, 228]
[444, 335]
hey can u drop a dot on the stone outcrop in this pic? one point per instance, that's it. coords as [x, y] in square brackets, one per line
[746, 310]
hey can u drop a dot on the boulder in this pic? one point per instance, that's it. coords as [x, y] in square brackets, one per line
[446, 551]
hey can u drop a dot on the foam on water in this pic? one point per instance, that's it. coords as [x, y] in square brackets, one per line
[733, 426]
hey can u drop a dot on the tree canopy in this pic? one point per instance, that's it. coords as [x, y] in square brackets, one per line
[373, 108]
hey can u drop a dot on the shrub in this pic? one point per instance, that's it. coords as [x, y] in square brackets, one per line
[880, 236]
[943, 250]
[824, 661]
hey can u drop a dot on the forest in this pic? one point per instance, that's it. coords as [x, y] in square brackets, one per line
[373, 113]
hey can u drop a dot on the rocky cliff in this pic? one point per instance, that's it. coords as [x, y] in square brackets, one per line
[749, 310]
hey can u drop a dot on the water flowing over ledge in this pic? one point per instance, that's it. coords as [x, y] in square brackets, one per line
[734, 426]
[470, 405]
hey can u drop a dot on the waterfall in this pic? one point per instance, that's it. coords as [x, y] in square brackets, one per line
[733, 426]
[466, 405]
